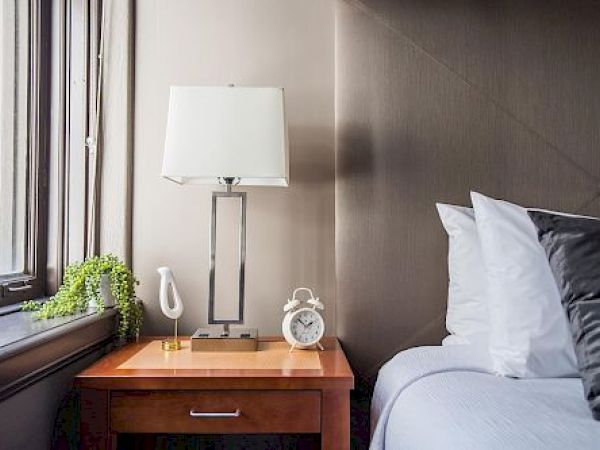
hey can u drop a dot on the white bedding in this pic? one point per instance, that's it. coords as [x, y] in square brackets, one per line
[444, 397]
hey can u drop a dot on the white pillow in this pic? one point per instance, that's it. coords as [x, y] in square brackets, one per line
[529, 333]
[467, 314]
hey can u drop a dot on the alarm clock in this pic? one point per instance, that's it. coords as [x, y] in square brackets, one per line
[303, 327]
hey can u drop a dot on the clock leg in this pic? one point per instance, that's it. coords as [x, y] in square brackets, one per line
[320, 347]
[292, 348]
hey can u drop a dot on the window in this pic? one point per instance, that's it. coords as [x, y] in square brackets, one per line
[22, 152]
[14, 67]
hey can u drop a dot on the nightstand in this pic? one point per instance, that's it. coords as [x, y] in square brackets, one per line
[141, 389]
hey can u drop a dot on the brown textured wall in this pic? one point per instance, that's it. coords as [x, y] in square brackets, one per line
[434, 98]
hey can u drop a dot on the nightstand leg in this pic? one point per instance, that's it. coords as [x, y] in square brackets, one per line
[335, 420]
[95, 426]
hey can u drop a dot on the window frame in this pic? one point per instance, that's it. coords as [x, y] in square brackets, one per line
[31, 283]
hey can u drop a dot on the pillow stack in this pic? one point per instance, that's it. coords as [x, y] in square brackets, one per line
[526, 329]
[527, 284]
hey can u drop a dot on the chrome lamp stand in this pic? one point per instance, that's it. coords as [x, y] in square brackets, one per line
[226, 339]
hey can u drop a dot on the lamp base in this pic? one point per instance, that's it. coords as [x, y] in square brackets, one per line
[171, 345]
[214, 340]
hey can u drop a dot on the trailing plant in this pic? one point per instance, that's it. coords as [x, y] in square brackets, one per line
[81, 284]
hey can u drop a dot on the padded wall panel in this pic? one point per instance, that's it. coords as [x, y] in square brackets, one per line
[432, 101]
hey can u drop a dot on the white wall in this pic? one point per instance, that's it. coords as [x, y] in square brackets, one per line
[288, 43]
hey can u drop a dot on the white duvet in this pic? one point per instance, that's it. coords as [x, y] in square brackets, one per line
[444, 397]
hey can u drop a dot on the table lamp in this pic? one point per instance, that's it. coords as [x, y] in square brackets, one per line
[232, 136]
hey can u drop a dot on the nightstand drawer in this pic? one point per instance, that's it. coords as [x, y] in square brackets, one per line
[215, 411]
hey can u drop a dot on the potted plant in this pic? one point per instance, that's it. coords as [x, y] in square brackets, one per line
[86, 284]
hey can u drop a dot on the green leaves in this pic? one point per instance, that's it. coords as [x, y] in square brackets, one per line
[81, 284]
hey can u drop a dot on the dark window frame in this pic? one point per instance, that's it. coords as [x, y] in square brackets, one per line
[31, 283]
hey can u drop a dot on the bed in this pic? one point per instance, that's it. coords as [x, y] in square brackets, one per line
[444, 397]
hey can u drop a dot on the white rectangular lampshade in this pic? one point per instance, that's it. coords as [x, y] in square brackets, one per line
[215, 132]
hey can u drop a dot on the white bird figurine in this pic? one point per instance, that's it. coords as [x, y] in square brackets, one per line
[167, 280]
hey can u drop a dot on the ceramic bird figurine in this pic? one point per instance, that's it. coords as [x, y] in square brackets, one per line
[168, 281]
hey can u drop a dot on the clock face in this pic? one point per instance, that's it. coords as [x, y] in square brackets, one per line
[307, 326]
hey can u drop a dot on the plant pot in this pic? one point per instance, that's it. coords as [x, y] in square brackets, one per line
[105, 293]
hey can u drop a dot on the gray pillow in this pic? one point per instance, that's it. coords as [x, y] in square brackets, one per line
[572, 245]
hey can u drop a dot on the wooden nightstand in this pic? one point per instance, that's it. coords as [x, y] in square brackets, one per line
[138, 389]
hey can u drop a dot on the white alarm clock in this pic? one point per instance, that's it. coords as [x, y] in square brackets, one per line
[303, 327]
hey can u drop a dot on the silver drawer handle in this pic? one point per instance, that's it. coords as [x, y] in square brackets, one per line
[215, 415]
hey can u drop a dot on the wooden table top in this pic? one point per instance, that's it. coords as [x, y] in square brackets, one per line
[114, 372]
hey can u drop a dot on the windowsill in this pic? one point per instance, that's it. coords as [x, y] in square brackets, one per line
[19, 326]
[9, 309]
[15, 307]
[30, 349]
